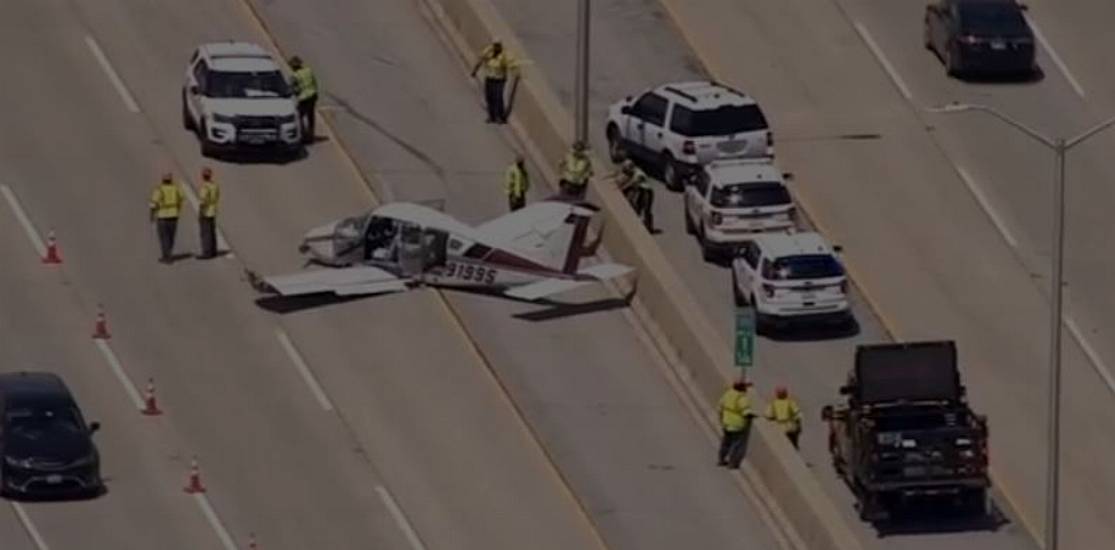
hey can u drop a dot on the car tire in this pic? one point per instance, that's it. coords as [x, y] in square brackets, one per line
[207, 149]
[707, 253]
[737, 296]
[953, 61]
[187, 120]
[670, 174]
[615, 144]
[690, 227]
[926, 37]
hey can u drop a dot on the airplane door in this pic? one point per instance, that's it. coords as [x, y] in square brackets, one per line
[434, 242]
[412, 252]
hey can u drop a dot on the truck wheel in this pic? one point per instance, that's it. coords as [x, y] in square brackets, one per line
[737, 296]
[975, 502]
[670, 173]
[187, 120]
[615, 144]
[690, 227]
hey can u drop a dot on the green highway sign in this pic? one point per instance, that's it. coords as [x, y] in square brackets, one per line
[745, 336]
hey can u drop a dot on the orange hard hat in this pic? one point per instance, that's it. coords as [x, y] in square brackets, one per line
[206, 172]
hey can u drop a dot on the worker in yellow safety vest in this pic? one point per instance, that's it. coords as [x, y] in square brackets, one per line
[735, 419]
[635, 186]
[518, 183]
[786, 413]
[497, 64]
[305, 90]
[576, 170]
[210, 196]
[165, 206]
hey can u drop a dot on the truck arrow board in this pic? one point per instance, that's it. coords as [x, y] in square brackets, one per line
[745, 336]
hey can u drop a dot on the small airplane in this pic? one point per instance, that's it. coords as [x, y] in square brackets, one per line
[530, 254]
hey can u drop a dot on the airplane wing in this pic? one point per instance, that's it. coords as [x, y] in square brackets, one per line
[549, 287]
[348, 281]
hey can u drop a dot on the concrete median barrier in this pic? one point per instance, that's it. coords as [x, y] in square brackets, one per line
[547, 130]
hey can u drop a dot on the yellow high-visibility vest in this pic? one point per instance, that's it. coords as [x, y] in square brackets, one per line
[734, 409]
[305, 83]
[166, 200]
[576, 169]
[518, 181]
[496, 65]
[786, 413]
[210, 196]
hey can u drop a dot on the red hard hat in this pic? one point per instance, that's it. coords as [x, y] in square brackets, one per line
[206, 172]
[781, 392]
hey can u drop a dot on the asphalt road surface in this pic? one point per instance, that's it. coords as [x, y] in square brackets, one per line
[916, 237]
[406, 421]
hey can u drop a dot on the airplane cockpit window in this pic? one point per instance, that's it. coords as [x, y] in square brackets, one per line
[435, 241]
[381, 240]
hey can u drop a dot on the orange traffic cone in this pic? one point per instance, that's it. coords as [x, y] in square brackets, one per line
[150, 407]
[100, 329]
[51, 256]
[252, 541]
[193, 485]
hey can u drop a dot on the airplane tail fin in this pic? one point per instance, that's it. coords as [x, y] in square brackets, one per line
[552, 232]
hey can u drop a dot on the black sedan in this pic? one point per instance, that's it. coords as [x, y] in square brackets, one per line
[989, 37]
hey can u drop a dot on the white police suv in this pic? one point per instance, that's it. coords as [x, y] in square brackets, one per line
[682, 125]
[237, 98]
[790, 278]
[728, 201]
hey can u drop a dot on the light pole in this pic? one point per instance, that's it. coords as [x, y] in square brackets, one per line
[1060, 147]
[580, 92]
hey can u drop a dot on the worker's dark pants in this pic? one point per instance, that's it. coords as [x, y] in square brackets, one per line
[645, 207]
[515, 202]
[166, 229]
[573, 190]
[307, 114]
[793, 437]
[731, 448]
[208, 227]
[493, 96]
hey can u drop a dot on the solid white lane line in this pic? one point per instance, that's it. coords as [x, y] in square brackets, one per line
[1097, 362]
[32, 531]
[20, 215]
[304, 370]
[400, 518]
[214, 521]
[878, 53]
[129, 101]
[1056, 58]
[986, 205]
[118, 370]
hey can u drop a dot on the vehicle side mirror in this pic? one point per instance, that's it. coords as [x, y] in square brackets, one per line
[194, 90]
[94, 426]
[626, 109]
[826, 413]
[837, 248]
[788, 176]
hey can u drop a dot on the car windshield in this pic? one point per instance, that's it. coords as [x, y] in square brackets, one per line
[247, 84]
[750, 195]
[806, 266]
[726, 120]
[42, 419]
[991, 18]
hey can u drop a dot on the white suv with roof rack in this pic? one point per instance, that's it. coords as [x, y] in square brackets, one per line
[236, 97]
[728, 201]
[791, 278]
[683, 125]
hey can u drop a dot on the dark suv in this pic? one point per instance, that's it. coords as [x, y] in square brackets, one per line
[980, 36]
[45, 444]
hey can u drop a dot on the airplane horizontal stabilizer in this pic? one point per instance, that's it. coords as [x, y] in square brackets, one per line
[347, 281]
[549, 287]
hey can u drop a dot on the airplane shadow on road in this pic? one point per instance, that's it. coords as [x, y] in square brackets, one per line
[293, 304]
